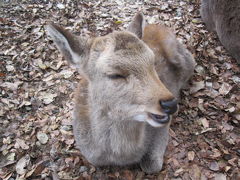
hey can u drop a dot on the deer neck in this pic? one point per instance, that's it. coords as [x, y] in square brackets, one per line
[97, 118]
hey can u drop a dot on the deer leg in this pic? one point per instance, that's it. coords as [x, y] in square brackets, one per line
[152, 161]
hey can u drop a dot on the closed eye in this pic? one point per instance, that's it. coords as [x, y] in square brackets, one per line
[116, 76]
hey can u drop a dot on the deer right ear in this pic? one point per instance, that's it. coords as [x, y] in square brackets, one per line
[75, 49]
[137, 25]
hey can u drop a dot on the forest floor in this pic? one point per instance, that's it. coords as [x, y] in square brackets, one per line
[36, 93]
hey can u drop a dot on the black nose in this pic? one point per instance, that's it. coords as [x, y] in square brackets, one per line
[169, 107]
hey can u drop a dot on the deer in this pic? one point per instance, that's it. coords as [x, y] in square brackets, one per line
[128, 93]
[223, 18]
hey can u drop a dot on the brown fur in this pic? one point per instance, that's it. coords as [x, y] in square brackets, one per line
[173, 62]
[223, 17]
[124, 79]
[158, 38]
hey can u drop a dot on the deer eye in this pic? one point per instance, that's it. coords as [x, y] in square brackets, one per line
[116, 76]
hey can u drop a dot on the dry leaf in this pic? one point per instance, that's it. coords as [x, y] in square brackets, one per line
[216, 153]
[225, 88]
[22, 164]
[197, 86]
[60, 6]
[128, 175]
[178, 172]
[195, 172]
[11, 156]
[22, 144]
[204, 122]
[214, 166]
[220, 176]
[48, 97]
[41, 64]
[191, 155]
[10, 68]
[42, 137]
[66, 73]
[11, 86]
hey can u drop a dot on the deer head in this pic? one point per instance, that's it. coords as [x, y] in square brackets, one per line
[119, 67]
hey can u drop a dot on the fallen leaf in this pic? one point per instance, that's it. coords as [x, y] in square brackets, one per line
[200, 70]
[227, 127]
[118, 22]
[216, 153]
[232, 162]
[7, 176]
[66, 73]
[69, 141]
[11, 156]
[41, 64]
[227, 168]
[7, 140]
[212, 53]
[197, 86]
[48, 97]
[214, 166]
[231, 109]
[82, 169]
[236, 79]
[42, 137]
[196, 21]
[60, 6]
[225, 88]
[128, 175]
[195, 172]
[191, 155]
[220, 176]
[5, 162]
[204, 122]
[37, 169]
[178, 172]
[2, 74]
[22, 144]
[10, 68]
[22, 164]
[11, 86]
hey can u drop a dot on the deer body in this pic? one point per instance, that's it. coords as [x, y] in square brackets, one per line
[223, 17]
[127, 95]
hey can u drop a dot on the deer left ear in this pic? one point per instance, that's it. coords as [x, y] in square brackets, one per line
[137, 25]
[74, 48]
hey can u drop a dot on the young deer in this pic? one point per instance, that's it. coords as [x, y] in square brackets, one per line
[127, 95]
[223, 17]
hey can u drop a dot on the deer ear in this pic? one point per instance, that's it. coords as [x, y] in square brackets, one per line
[74, 48]
[137, 25]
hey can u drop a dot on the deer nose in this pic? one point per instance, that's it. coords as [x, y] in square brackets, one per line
[169, 106]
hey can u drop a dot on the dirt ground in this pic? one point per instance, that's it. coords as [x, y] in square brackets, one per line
[36, 93]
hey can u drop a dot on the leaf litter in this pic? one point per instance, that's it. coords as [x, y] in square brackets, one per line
[36, 93]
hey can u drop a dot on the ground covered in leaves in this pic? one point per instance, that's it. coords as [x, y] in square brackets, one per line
[36, 93]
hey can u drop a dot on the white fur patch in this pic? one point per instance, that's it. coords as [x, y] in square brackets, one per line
[140, 117]
[145, 118]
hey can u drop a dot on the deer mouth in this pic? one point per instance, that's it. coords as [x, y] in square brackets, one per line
[158, 119]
